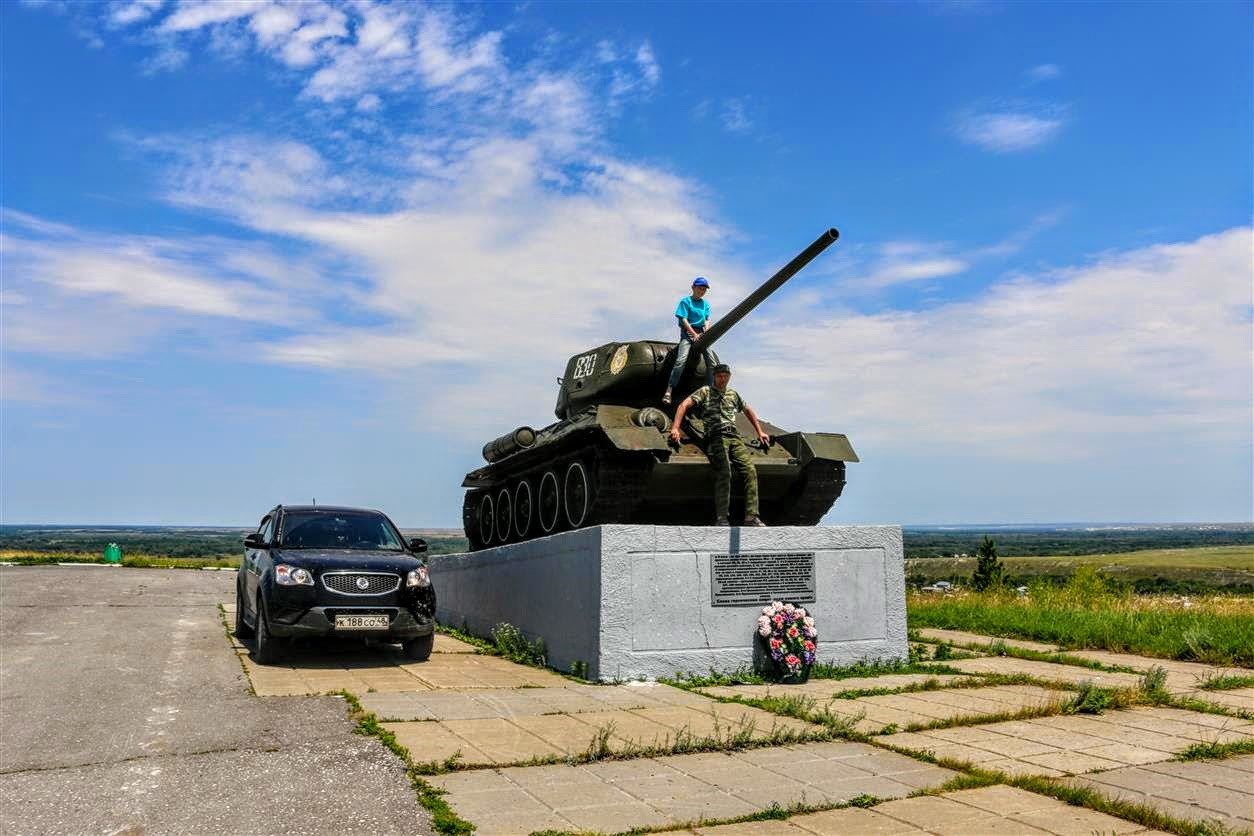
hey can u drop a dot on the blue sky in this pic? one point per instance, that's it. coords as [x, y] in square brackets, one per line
[263, 252]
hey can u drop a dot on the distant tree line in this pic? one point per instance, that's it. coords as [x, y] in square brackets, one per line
[1018, 543]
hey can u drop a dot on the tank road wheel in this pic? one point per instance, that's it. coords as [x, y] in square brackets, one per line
[522, 509]
[504, 515]
[487, 518]
[549, 506]
[577, 493]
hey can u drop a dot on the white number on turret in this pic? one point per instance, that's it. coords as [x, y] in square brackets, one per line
[584, 365]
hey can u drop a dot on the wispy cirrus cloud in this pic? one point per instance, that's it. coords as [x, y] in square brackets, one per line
[1009, 129]
[1044, 72]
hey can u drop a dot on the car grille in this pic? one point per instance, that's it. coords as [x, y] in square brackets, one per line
[348, 583]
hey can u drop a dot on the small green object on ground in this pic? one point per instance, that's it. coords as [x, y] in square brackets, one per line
[113, 553]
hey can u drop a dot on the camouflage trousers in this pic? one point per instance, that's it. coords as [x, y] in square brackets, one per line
[724, 451]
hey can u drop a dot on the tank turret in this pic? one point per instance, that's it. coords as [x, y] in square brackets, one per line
[607, 460]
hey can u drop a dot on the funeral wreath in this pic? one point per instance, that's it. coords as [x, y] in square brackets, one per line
[790, 638]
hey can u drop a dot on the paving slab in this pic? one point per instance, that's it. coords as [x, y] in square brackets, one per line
[448, 644]
[1052, 671]
[1198, 791]
[570, 698]
[651, 792]
[962, 638]
[824, 689]
[493, 736]
[873, 714]
[1075, 744]
[1238, 700]
[995, 811]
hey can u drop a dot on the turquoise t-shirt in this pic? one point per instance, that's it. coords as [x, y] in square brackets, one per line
[696, 311]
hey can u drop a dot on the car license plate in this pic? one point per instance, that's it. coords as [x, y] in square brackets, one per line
[361, 622]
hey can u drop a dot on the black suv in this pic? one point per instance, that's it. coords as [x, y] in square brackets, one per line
[320, 571]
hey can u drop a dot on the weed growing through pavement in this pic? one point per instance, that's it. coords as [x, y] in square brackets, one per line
[1222, 681]
[513, 645]
[1154, 682]
[1090, 698]
[1215, 750]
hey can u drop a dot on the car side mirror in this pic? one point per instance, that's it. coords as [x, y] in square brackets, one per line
[417, 545]
[254, 541]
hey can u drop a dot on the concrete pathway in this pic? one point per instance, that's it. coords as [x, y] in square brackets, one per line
[824, 689]
[872, 715]
[512, 737]
[1073, 744]
[995, 811]
[959, 638]
[1053, 671]
[614, 796]
[1198, 791]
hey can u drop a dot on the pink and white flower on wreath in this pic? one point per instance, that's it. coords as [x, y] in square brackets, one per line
[791, 636]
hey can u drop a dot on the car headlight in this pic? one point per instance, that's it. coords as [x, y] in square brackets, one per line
[418, 577]
[286, 575]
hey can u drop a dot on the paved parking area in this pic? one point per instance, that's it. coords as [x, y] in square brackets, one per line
[124, 710]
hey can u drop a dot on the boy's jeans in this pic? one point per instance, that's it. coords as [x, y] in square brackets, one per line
[681, 359]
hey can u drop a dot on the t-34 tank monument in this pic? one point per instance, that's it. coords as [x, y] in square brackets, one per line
[606, 460]
[594, 535]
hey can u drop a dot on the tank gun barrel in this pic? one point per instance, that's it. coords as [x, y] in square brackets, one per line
[725, 324]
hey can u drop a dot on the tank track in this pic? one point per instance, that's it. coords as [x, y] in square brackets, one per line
[617, 479]
[821, 484]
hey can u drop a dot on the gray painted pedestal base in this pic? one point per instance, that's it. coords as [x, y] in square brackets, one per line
[637, 600]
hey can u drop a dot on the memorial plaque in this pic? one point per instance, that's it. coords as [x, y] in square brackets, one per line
[739, 580]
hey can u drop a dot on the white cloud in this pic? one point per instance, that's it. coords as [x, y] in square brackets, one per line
[1044, 72]
[735, 117]
[1134, 349]
[1006, 131]
[898, 270]
[132, 11]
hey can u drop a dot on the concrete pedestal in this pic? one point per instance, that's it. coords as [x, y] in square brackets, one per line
[639, 600]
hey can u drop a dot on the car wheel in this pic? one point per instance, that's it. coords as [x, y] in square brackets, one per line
[419, 649]
[242, 630]
[266, 648]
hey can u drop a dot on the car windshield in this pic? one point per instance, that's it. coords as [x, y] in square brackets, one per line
[367, 532]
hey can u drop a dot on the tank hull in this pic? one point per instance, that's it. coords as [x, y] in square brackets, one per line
[600, 467]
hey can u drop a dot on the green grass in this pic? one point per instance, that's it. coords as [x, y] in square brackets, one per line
[1084, 614]
[1216, 566]
[1225, 682]
[1215, 751]
[145, 561]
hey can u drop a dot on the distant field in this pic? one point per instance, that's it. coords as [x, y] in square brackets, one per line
[1214, 566]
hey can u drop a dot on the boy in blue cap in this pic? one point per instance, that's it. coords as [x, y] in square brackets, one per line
[693, 313]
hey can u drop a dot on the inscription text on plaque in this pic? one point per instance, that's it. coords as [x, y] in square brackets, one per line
[738, 580]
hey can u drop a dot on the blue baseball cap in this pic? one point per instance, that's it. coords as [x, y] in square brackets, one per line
[700, 281]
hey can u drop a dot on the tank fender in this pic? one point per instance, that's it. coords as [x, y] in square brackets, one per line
[805, 447]
[619, 427]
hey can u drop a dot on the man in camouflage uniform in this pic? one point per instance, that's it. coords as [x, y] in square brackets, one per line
[723, 445]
